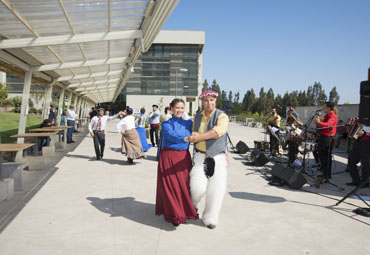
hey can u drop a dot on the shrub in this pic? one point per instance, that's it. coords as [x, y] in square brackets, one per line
[6, 103]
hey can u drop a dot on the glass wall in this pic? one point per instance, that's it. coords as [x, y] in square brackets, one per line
[155, 71]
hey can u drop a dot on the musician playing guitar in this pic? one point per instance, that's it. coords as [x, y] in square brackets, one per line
[360, 153]
[294, 125]
[327, 128]
[274, 122]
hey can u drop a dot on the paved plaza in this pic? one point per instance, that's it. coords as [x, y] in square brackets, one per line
[106, 207]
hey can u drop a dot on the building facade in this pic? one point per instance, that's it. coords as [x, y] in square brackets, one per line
[171, 68]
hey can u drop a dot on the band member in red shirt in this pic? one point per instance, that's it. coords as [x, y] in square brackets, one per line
[327, 129]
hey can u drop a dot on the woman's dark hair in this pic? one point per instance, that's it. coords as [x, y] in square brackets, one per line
[329, 105]
[142, 110]
[129, 110]
[175, 101]
[166, 109]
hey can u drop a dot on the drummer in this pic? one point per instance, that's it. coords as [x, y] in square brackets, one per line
[294, 128]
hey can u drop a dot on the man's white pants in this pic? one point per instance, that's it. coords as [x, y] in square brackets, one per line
[214, 187]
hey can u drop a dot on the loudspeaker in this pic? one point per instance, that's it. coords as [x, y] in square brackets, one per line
[259, 158]
[290, 176]
[241, 147]
[364, 113]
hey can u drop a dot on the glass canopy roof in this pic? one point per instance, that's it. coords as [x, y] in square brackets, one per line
[86, 46]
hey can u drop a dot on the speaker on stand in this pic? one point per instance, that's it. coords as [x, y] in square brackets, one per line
[364, 113]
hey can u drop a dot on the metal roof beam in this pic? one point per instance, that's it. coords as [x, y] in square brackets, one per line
[90, 83]
[13, 60]
[52, 67]
[68, 39]
[106, 86]
[89, 75]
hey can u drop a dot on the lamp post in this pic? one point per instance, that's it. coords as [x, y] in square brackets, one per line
[182, 91]
[182, 70]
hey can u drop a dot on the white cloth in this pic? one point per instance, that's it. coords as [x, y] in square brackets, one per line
[93, 125]
[71, 115]
[167, 117]
[127, 123]
[185, 116]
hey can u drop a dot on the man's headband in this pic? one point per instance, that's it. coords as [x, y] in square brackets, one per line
[208, 93]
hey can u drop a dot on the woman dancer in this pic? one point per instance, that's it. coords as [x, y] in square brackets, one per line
[173, 196]
[140, 128]
[131, 145]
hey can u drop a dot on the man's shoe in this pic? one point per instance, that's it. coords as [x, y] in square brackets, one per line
[98, 158]
[352, 184]
[72, 141]
[211, 226]
[175, 224]
[101, 156]
[130, 160]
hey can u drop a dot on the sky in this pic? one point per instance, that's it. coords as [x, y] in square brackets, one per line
[285, 45]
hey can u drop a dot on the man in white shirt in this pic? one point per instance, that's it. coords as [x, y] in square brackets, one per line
[71, 118]
[96, 128]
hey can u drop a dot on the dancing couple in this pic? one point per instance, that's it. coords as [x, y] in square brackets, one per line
[181, 182]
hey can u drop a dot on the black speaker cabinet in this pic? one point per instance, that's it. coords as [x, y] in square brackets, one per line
[259, 158]
[290, 176]
[364, 110]
[365, 88]
[241, 147]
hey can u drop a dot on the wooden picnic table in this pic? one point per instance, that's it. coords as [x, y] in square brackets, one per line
[11, 147]
[46, 129]
[37, 137]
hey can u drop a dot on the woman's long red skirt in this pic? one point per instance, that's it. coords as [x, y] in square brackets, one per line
[173, 192]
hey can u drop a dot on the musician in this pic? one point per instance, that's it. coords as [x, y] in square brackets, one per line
[294, 125]
[327, 128]
[360, 153]
[274, 122]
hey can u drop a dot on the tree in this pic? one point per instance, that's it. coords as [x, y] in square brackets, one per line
[216, 87]
[334, 96]
[230, 97]
[319, 97]
[249, 100]
[3, 91]
[205, 85]
[236, 97]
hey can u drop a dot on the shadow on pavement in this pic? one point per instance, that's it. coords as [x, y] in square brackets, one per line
[129, 208]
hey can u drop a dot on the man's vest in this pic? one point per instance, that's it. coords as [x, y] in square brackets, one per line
[214, 146]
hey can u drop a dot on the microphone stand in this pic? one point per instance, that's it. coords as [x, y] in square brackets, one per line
[306, 125]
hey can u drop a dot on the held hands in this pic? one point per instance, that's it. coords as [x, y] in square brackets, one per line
[193, 138]
[92, 134]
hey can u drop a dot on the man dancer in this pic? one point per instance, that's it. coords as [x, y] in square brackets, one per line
[154, 121]
[71, 118]
[209, 173]
[274, 122]
[96, 128]
[327, 129]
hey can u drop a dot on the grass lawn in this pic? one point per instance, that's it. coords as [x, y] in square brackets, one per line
[9, 125]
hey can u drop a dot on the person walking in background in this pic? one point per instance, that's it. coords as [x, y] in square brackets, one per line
[140, 128]
[96, 128]
[173, 196]
[167, 114]
[52, 116]
[154, 121]
[63, 118]
[71, 118]
[341, 129]
[131, 145]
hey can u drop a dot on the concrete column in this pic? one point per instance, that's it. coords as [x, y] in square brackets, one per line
[78, 106]
[60, 104]
[70, 97]
[24, 110]
[3, 78]
[47, 101]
